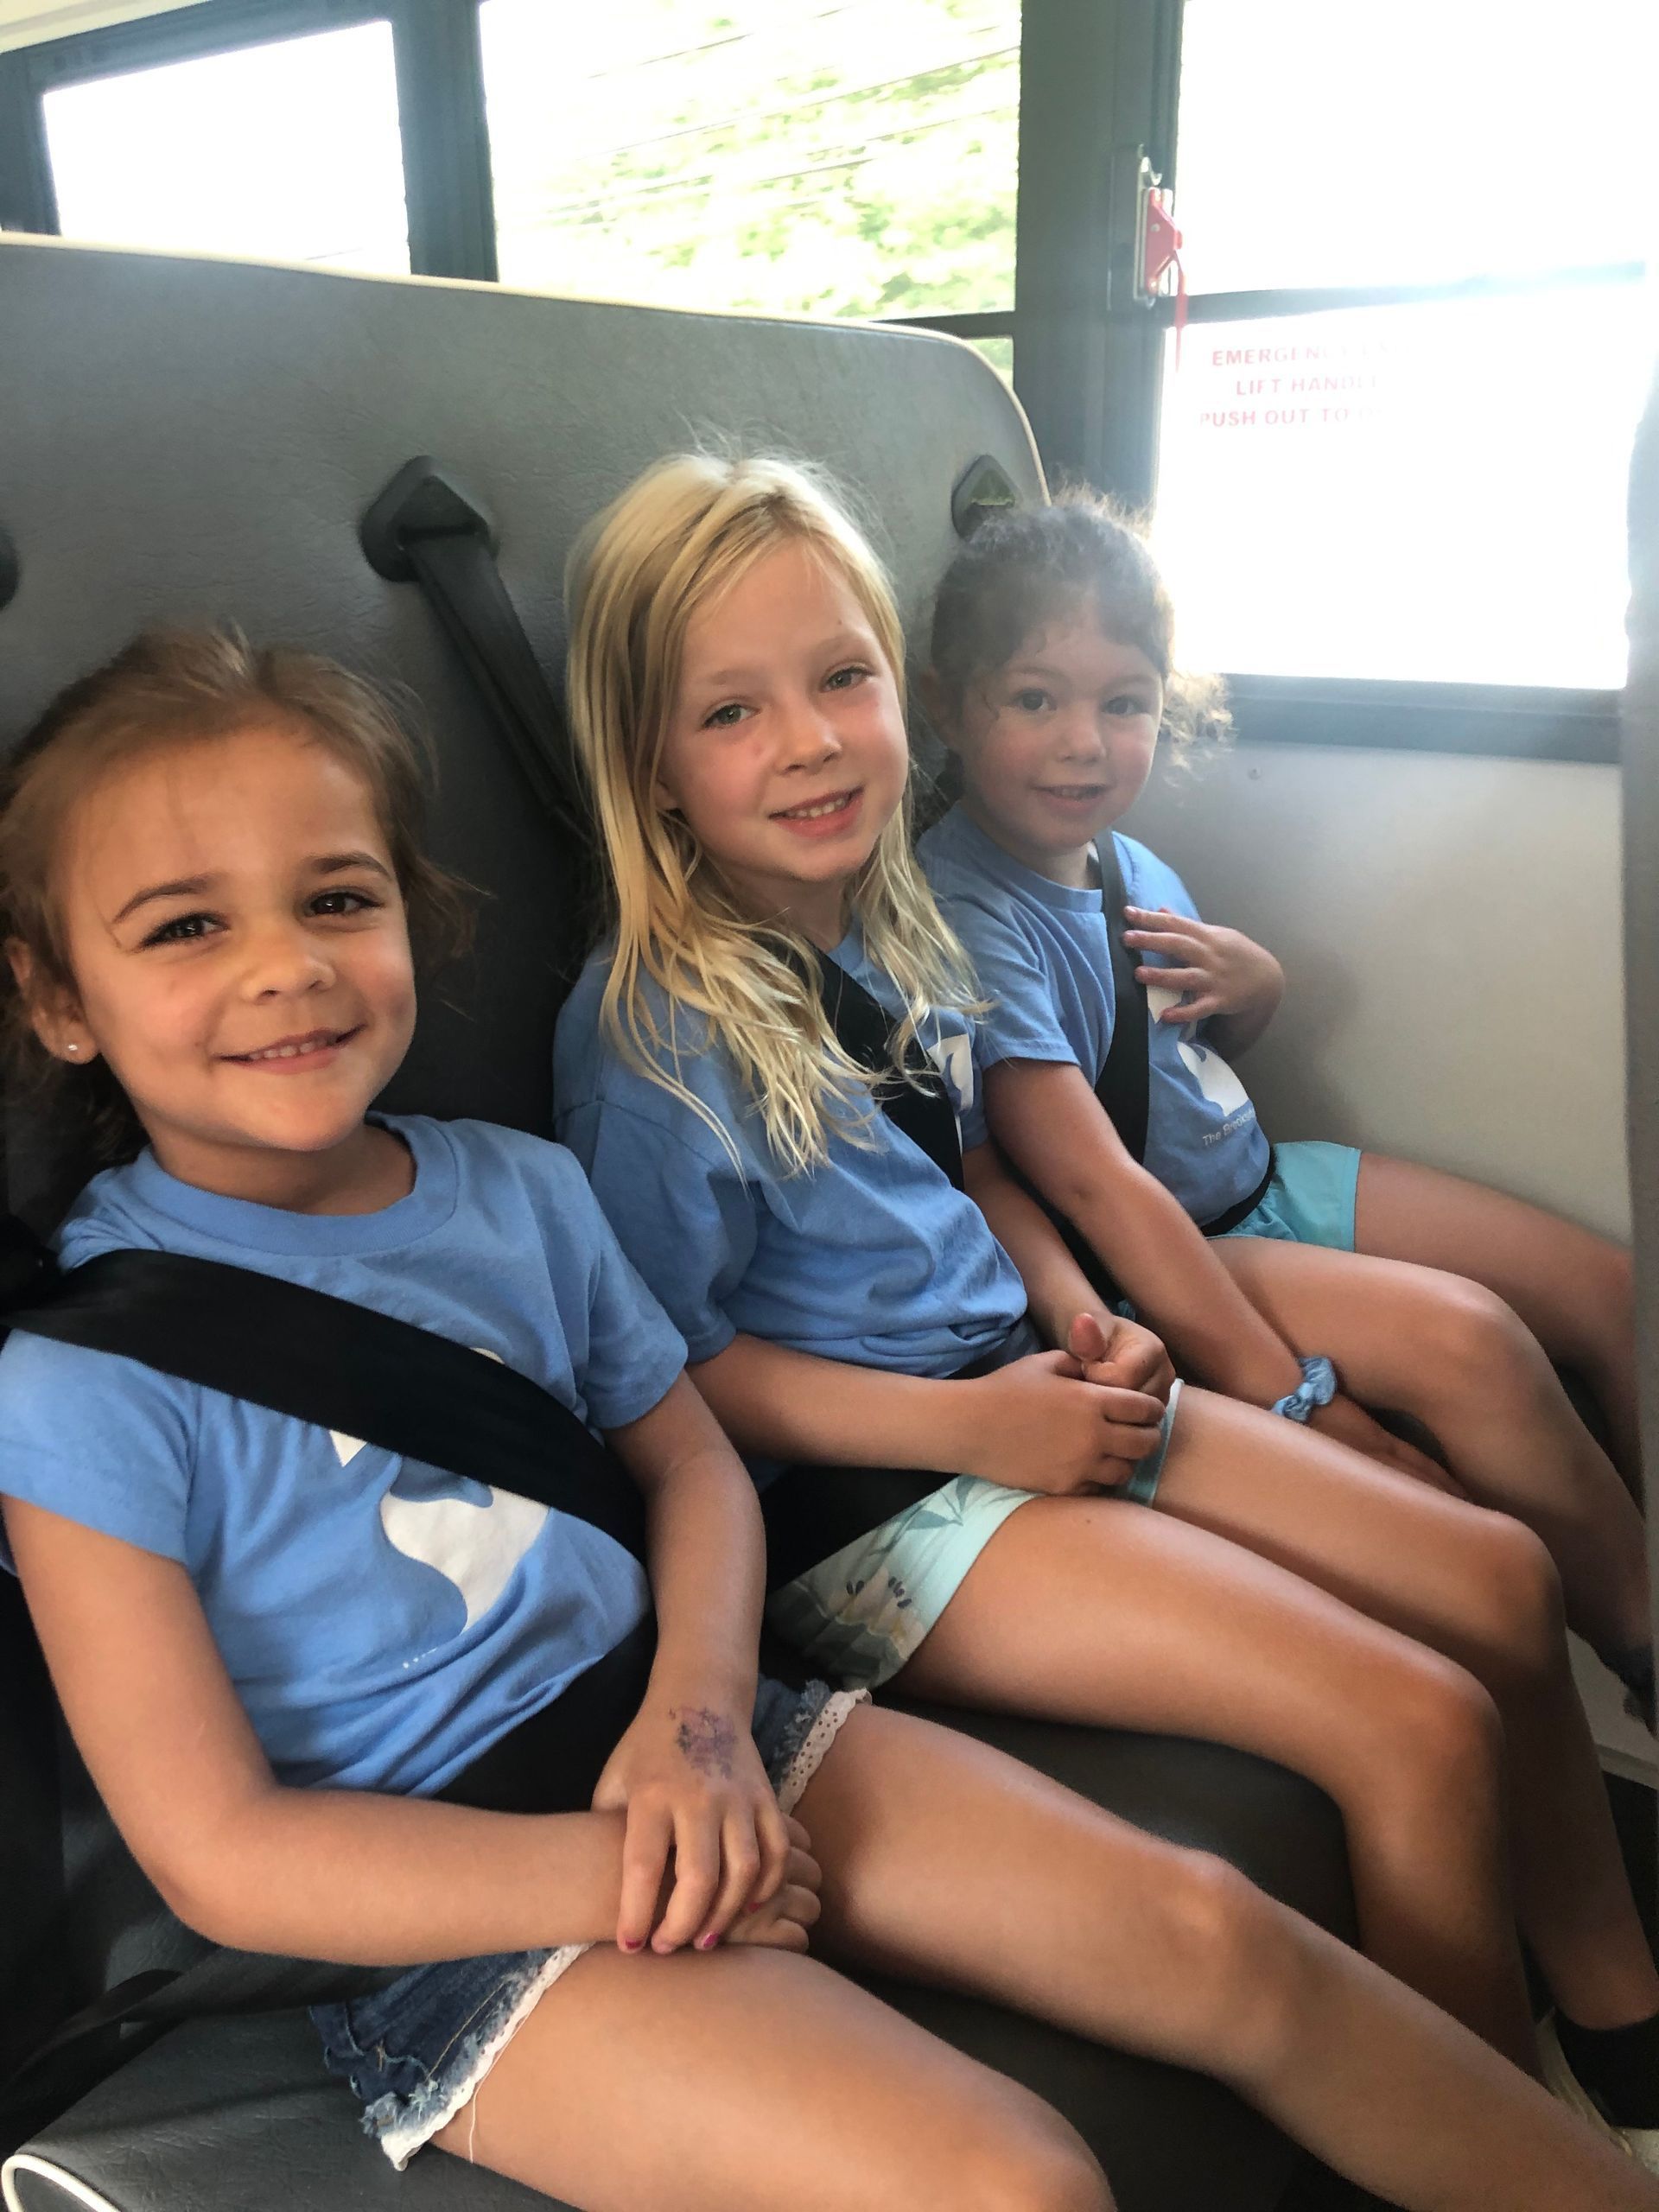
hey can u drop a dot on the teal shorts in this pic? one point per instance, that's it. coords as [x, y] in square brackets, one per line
[1310, 1199]
[860, 1614]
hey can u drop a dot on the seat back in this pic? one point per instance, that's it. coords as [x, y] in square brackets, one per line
[1641, 811]
[192, 441]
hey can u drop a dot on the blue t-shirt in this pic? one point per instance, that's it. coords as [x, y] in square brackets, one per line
[873, 1258]
[1045, 962]
[383, 1621]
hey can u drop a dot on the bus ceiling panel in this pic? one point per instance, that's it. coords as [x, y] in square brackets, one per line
[201, 440]
[187, 34]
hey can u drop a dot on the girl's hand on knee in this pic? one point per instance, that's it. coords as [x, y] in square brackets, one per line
[1344, 1422]
[1035, 1425]
[1120, 1353]
[1219, 970]
[692, 1785]
[784, 1922]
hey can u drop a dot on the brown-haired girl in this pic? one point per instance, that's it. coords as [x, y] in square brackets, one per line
[734, 691]
[211, 870]
[1307, 1278]
[1051, 679]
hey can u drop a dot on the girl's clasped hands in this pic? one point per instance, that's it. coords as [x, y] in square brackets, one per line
[707, 1856]
[1072, 1421]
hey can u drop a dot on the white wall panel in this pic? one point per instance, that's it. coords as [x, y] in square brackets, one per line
[1451, 929]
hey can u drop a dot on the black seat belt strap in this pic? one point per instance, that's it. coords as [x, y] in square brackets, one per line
[1124, 1083]
[425, 528]
[916, 1102]
[343, 1367]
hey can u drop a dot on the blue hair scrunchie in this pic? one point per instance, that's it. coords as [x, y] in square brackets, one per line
[1317, 1388]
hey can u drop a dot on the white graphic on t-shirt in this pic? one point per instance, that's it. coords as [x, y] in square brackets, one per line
[954, 1058]
[1213, 1076]
[346, 1446]
[474, 1546]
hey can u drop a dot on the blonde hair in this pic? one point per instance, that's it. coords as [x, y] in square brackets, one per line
[680, 536]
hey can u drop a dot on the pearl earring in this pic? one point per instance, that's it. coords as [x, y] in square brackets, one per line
[73, 1048]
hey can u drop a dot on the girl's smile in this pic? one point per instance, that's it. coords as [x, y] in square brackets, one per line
[240, 956]
[1058, 744]
[785, 753]
[297, 1055]
[823, 817]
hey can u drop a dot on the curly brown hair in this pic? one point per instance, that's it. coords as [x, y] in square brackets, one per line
[169, 688]
[1022, 567]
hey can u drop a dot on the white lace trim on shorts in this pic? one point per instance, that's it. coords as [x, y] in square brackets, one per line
[401, 2142]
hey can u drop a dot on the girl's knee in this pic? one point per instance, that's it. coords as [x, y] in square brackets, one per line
[1434, 1737]
[1516, 1615]
[1238, 1974]
[1479, 1343]
[1226, 1956]
[1030, 2160]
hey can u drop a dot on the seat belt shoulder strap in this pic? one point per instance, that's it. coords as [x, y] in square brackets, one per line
[920, 1108]
[326, 1360]
[1124, 1083]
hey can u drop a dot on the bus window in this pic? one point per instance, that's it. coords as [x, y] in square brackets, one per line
[776, 155]
[289, 151]
[1425, 482]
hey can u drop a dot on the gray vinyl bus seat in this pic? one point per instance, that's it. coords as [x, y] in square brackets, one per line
[195, 441]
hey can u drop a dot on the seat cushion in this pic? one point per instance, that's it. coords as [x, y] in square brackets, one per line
[238, 2116]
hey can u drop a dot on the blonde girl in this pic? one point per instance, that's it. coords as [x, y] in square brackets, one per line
[735, 695]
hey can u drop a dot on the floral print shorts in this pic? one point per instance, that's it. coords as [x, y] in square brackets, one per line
[860, 1614]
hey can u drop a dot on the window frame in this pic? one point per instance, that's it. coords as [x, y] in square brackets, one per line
[1088, 354]
[1081, 333]
[1522, 722]
[447, 182]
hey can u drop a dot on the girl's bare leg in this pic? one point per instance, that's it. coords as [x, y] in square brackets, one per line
[1457, 1359]
[1095, 1611]
[946, 1862]
[1478, 1588]
[1572, 1288]
[750, 2080]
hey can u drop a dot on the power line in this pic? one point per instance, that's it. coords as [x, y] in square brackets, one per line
[688, 187]
[806, 107]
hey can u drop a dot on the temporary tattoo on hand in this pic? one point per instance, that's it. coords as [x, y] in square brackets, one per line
[707, 1738]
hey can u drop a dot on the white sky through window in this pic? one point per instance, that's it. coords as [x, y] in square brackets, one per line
[283, 152]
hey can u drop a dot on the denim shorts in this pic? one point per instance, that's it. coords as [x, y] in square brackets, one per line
[415, 2052]
[863, 1612]
[1310, 1199]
